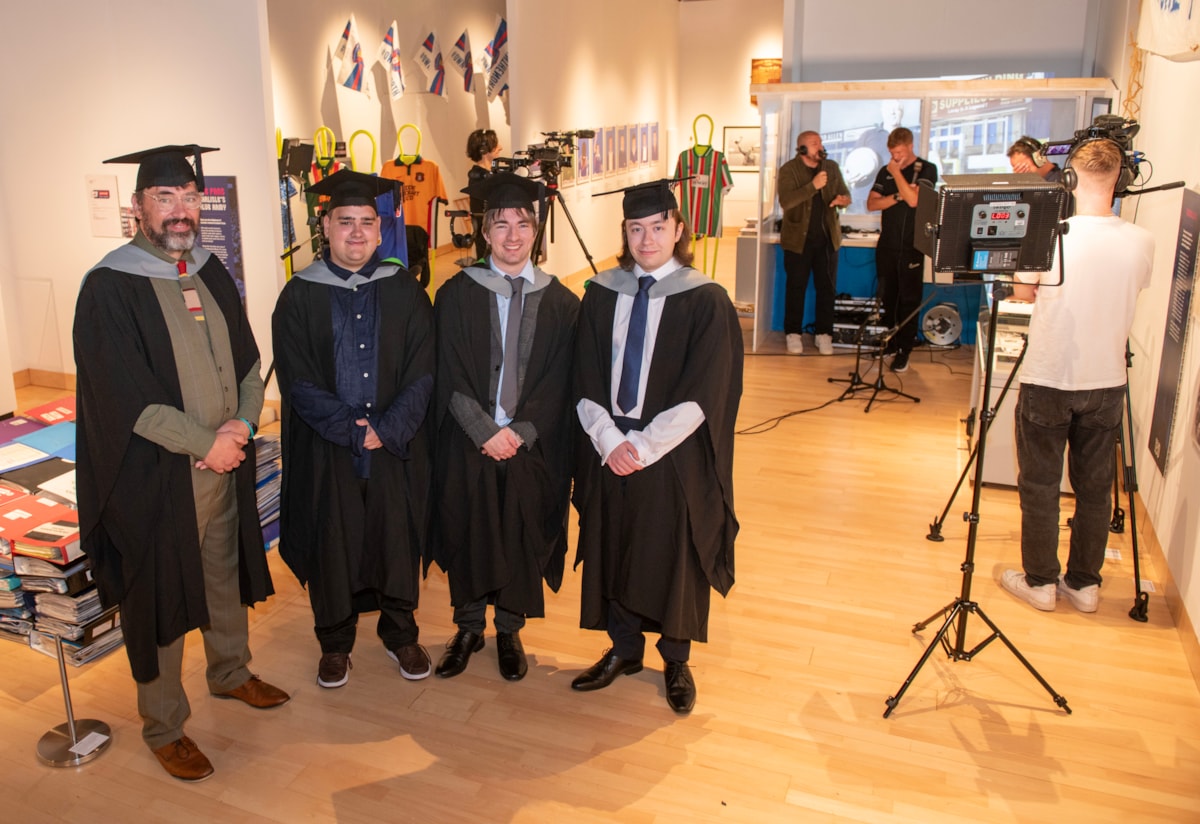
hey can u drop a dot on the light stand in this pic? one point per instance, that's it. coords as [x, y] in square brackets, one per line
[1127, 467]
[953, 633]
[986, 416]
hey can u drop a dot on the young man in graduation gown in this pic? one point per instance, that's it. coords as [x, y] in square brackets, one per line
[658, 377]
[169, 391]
[354, 348]
[505, 338]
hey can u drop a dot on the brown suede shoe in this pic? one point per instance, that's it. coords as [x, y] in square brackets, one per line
[258, 694]
[182, 759]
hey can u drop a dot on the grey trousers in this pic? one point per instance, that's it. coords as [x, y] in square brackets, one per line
[162, 703]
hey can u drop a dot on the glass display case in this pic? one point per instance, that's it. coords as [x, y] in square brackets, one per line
[962, 126]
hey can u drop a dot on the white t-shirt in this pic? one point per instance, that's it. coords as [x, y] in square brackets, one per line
[1078, 330]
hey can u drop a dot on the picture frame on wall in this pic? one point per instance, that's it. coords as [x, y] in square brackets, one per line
[635, 147]
[653, 142]
[610, 150]
[622, 148]
[644, 142]
[598, 153]
[742, 147]
[583, 159]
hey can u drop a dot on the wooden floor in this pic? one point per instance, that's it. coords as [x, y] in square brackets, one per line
[833, 570]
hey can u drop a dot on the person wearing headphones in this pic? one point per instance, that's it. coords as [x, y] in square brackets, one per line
[811, 189]
[1073, 383]
[1027, 156]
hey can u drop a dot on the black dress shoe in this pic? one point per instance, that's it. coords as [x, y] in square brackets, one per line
[458, 652]
[681, 689]
[511, 655]
[602, 673]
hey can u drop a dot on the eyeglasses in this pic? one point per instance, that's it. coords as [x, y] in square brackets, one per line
[191, 200]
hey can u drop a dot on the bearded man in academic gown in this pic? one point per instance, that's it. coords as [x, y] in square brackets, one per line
[658, 377]
[353, 341]
[505, 335]
[169, 393]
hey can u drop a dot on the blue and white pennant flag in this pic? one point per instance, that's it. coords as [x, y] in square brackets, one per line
[429, 58]
[389, 56]
[463, 62]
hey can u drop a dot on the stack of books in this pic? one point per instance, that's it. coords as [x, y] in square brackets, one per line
[46, 586]
[268, 453]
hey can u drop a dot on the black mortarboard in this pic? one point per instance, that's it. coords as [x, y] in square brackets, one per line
[646, 199]
[347, 188]
[166, 166]
[505, 190]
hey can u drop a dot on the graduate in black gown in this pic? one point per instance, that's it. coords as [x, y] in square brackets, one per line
[505, 338]
[354, 351]
[658, 377]
[169, 395]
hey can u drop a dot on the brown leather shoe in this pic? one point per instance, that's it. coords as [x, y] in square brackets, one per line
[258, 694]
[182, 759]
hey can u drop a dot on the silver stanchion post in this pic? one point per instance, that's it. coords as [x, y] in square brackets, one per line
[75, 742]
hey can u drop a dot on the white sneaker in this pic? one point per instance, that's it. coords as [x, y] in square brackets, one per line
[795, 345]
[1084, 600]
[1042, 597]
[824, 344]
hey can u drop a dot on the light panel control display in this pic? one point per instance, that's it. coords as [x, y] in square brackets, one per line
[1000, 220]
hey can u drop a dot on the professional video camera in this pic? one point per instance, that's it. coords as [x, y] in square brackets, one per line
[545, 160]
[1119, 130]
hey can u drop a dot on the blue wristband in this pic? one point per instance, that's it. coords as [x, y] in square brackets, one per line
[249, 426]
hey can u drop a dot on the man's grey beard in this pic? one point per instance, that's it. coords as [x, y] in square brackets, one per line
[172, 241]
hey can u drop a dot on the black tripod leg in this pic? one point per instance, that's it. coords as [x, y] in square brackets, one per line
[893, 700]
[1058, 699]
[1141, 599]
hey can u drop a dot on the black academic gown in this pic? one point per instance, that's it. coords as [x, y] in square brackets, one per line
[659, 540]
[502, 526]
[137, 513]
[337, 543]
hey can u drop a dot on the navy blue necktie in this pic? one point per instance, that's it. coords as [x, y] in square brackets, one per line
[635, 342]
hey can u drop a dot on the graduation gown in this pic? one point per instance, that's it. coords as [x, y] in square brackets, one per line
[502, 526]
[659, 540]
[337, 542]
[137, 515]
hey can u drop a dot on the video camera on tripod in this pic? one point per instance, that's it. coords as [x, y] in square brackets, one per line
[1112, 127]
[545, 160]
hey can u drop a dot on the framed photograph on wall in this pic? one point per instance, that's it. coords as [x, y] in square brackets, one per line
[653, 142]
[622, 148]
[598, 153]
[583, 159]
[644, 142]
[635, 147]
[742, 148]
[610, 150]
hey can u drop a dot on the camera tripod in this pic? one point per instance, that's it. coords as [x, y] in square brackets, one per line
[953, 633]
[1126, 469]
[553, 196]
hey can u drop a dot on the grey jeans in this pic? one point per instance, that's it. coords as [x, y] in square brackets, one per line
[1086, 423]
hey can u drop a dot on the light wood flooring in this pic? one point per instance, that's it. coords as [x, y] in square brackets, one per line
[833, 570]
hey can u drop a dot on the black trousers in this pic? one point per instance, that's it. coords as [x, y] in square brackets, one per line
[901, 281]
[819, 259]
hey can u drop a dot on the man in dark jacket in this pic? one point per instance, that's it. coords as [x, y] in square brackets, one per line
[354, 349]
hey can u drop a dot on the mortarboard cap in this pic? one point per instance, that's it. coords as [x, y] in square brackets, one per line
[505, 190]
[646, 199]
[166, 166]
[347, 188]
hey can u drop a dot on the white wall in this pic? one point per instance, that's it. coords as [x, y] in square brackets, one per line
[135, 78]
[617, 64]
[717, 41]
[303, 34]
[1168, 137]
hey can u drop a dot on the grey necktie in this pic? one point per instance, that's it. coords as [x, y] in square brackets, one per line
[512, 337]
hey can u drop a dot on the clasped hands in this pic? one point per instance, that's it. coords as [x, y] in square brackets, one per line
[503, 445]
[228, 450]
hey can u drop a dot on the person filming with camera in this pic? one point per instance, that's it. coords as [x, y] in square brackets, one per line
[1073, 382]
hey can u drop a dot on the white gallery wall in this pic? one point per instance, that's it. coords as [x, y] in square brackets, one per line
[136, 78]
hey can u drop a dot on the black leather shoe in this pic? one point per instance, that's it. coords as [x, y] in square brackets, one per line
[681, 689]
[511, 655]
[458, 652]
[603, 672]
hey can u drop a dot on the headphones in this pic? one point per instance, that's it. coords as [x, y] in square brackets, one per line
[803, 152]
[1124, 177]
[1033, 148]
